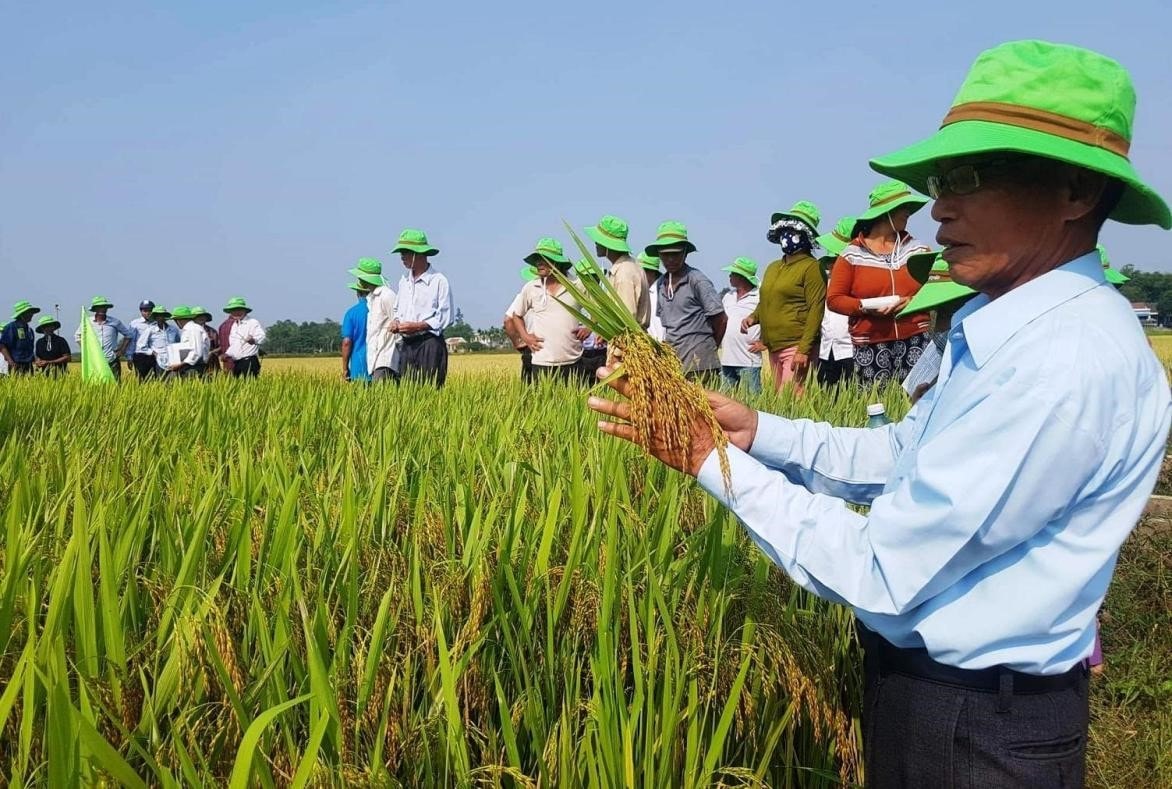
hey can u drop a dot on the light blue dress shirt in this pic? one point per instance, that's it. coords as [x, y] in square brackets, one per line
[999, 504]
[427, 299]
[109, 333]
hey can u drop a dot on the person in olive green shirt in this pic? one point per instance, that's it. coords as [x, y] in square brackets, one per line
[793, 296]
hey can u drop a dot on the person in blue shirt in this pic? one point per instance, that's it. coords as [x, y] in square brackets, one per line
[999, 504]
[354, 336]
[17, 344]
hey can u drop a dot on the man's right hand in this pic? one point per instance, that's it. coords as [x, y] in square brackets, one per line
[747, 324]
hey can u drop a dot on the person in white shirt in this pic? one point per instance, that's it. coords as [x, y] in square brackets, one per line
[143, 364]
[740, 352]
[244, 339]
[528, 274]
[651, 271]
[836, 351]
[541, 321]
[382, 342]
[193, 359]
[422, 312]
[153, 341]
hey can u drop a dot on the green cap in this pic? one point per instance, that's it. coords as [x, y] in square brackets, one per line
[100, 301]
[160, 311]
[198, 311]
[21, 307]
[358, 286]
[746, 267]
[803, 211]
[411, 240]
[368, 270]
[649, 262]
[938, 289]
[46, 321]
[234, 303]
[671, 235]
[611, 233]
[587, 267]
[528, 273]
[888, 196]
[839, 238]
[1114, 276]
[550, 249]
[182, 313]
[1050, 100]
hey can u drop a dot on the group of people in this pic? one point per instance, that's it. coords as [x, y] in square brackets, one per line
[855, 303]
[160, 343]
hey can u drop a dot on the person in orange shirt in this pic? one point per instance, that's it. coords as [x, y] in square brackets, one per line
[871, 285]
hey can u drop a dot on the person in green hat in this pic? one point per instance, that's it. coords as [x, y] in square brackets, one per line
[16, 340]
[193, 359]
[693, 317]
[382, 343]
[204, 318]
[940, 297]
[652, 273]
[626, 275]
[869, 283]
[740, 351]
[113, 334]
[156, 339]
[245, 336]
[793, 296]
[52, 351]
[1113, 276]
[539, 320]
[998, 506]
[354, 335]
[423, 311]
[836, 352]
[593, 346]
[528, 274]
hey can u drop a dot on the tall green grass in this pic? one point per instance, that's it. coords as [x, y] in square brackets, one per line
[297, 582]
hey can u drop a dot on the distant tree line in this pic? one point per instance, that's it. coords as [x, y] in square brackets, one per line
[1150, 287]
[308, 338]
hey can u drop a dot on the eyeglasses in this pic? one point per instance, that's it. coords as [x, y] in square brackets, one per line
[968, 178]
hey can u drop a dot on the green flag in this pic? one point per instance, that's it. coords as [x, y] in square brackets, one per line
[94, 367]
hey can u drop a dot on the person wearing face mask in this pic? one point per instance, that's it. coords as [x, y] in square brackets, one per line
[871, 285]
[793, 296]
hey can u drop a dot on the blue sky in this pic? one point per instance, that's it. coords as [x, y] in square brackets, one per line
[188, 152]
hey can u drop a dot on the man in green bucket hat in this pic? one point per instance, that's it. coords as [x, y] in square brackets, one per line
[423, 311]
[538, 319]
[626, 275]
[245, 336]
[16, 340]
[651, 272]
[998, 506]
[740, 352]
[382, 343]
[693, 317]
[52, 351]
[353, 331]
[113, 334]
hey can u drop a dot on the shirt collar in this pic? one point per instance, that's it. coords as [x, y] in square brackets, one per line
[425, 277]
[989, 324]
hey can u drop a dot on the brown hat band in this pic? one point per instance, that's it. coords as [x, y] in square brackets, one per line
[1041, 121]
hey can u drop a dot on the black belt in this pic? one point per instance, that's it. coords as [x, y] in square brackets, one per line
[891, 659]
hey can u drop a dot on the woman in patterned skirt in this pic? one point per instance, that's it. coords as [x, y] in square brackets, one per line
[870, 284]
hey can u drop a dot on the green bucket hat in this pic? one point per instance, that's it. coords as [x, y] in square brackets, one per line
[938, 289]
[46, 321]
[411, 240]
[358, 286]
[803, 211]
[671, 235]
[100, 301]
[21, 307]
[839, 238]
[159, 311]
[1050, 100]
[528, 273]
[587, 267]
[923, 265]
[649, 262]
[182, 313]
[548, 248]
[1114, 276]
[888, 196]
[368, 270]
[198, 311]
[234, 303]
[746, 267]
[611, 233]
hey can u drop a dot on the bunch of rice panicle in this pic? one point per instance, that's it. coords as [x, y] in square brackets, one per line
[663, 401]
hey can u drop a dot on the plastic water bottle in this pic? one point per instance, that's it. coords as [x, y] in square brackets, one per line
[877, 415]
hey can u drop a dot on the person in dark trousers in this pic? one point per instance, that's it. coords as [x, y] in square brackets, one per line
[997, 507]
[422, 312]
[204, 318]
[52, 351]
[245, 336]
[113, 334]
[142, 363]
[16, 341]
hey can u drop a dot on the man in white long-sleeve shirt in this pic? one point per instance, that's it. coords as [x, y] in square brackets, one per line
[382, 343]
[423, 311]
[193, 359]
[244, 339]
